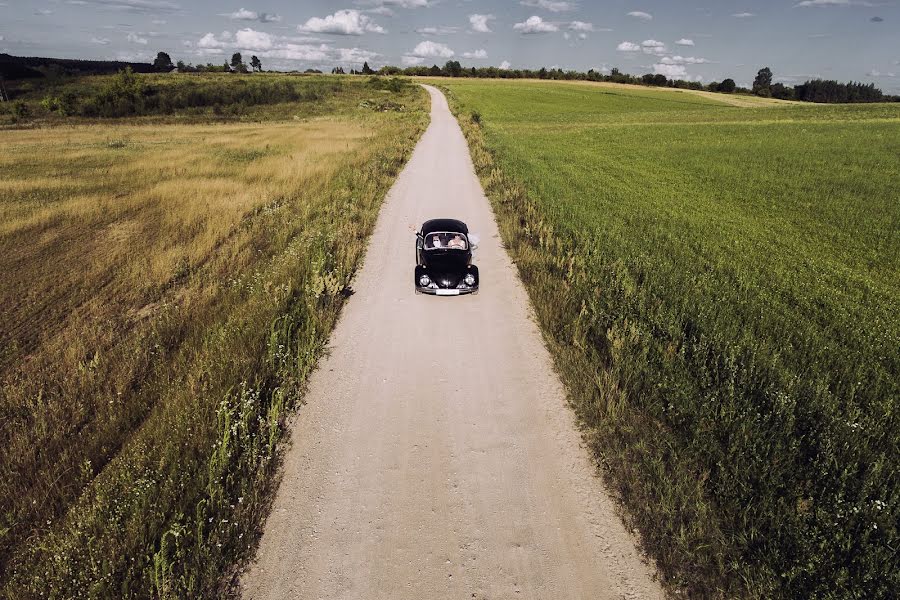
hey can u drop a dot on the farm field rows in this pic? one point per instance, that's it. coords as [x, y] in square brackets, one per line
[167, 289]
[719, 287]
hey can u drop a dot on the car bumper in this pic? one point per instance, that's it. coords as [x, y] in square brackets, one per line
[446, 292]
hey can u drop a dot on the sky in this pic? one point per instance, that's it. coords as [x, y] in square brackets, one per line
[705, 40]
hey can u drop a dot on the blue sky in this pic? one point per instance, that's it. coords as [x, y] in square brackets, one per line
[692, 39]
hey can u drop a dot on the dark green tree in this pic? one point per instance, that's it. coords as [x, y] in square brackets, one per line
[367, 70]
[728, 86]
[163, 62]
[236, 59]
[762, 85]
[453, 68]
[256, 64]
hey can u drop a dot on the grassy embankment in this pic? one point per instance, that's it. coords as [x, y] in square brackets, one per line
[719, 288]
[167, 289]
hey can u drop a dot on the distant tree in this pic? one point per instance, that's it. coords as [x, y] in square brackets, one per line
[453, 68]
[367, 70]
[236, 60]
[225, 67]
[728, 86]
[255, 64]
[180, 65]
[782, 92]
[819, 90]
[338, 71]
[660, 80]
[647, 79]
[435, 71]
[163, 62]
[762, 85]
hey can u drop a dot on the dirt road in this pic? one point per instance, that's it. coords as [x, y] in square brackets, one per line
[436, 456]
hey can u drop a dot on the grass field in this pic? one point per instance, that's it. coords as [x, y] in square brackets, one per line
[167, 288]
[719, 286]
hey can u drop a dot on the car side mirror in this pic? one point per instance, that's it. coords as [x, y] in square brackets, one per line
[473, 241]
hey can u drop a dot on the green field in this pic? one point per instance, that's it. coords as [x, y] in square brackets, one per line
[169, 280]
[719, 286]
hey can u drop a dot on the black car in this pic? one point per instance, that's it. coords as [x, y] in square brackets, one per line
[444, 259]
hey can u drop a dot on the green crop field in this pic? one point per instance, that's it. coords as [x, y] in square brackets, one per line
[169, 280]
[719, 285]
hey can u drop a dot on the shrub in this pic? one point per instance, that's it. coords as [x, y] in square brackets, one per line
[21, 110]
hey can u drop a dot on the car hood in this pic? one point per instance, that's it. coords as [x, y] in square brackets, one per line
[446, 268]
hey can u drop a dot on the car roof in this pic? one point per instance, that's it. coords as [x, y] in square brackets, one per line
[451, 225]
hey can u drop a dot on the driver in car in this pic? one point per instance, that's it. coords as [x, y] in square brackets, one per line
[436, 241]
[457, 242]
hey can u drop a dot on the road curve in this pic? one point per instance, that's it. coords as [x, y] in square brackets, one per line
[436, 456]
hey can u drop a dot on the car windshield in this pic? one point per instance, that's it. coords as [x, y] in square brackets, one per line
[442, 240]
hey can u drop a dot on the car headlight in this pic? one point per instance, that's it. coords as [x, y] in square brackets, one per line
[424, 281]
[469, 279]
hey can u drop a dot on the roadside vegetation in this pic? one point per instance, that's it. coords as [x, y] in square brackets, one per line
[718, 286]
[167, 289]
[180, 98]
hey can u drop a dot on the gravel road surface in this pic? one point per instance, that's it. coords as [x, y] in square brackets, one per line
[436, 456]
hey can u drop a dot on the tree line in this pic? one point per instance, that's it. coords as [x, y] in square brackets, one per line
[163, 64]
[816, 90]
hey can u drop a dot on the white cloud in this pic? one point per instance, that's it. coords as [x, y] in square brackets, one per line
[744, 15]
[343, 22]
[505, 66]
[653, 47]
[355, 55]
[136, 39]
[243, 15]
[266, 45]
[429, 49]
[250, 15]
[385, 7]
[581, 26]
[674, 72]
[639, 14]
[877, 73]
[101, 41]
[535, 24]
[628, 47]
[480, 23]
[684, 42]
[550, 5]
[134, 6]
[832, 3]
[412, 61]
[210, 42]
[683, 60]
[436, 30]
[476, 54]
[249, 39]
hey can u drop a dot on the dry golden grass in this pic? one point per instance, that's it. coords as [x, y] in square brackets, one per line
[117, 214]
[163, 285]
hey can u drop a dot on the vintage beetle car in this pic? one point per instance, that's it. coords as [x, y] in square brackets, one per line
[444, 259]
